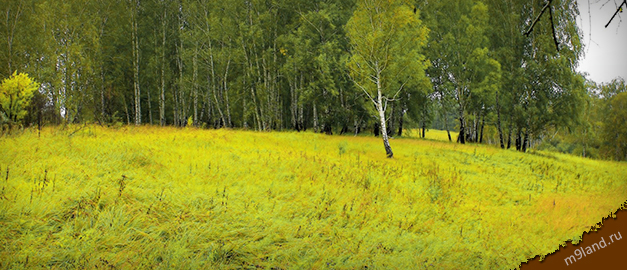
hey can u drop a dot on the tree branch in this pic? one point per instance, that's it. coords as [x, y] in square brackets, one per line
[363, 89]
[397, 92]
[548, 5]
[618, 9]
[553, 28]
[538, 18]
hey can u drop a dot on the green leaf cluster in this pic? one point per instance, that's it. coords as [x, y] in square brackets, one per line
[16, 93]
[387, 40]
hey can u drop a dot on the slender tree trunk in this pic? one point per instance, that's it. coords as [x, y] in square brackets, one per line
[585, 133]
[217, 102]
[162, 96]
[248, 78]
[182, 113]
[175, 112]
[380, 108]
[482, 125]
[584, 151]
[301, 117]
[462, 131]
[195, 85]
[102, 71]
[263, 113]
[509, 134]
[149, 107]
[446, 126]
[400, 123]
[475, 136]
[518, 140]
[66, 84]
[244, 112]
[179, 103]
[525, 141]
[293, 104]
[102, 95]
[128, 116]
[390, 120]
[345, 120]
[617, 148]
[156, 73]
[275, 73]
[264, 118]
[135, 38]
[256, 107]
[213, 83]
[315, 118]
[184, 106]
[498, 121]
[270, 103]
[226, 94]
[201, 117]
[11, 34]
[210, 111]
[253, 94]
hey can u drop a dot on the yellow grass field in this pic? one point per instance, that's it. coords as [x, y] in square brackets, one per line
[167, 198]
[431, 134]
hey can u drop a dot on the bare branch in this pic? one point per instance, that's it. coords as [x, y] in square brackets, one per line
[548, 5]
[618, 9]
[538, 18]
[589, 25]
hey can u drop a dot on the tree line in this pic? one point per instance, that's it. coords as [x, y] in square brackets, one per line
[333, 66]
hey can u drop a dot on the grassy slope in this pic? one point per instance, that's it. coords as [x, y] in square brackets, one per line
[232, 199]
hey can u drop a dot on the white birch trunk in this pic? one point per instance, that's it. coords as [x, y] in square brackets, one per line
[381, 110]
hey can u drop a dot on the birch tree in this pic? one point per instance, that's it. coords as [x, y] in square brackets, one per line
[386, 37]
[134, 7]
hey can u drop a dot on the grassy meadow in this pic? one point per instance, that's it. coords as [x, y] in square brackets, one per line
[432, 134]
[168, 198]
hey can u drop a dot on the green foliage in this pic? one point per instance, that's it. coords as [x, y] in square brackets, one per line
[615, 128]
[190, 122]
[314, 66]
[291, 64]
[16, 93]
[464, 72]
[3, 119]
[146, 197]
[596, 131]
[611, 89]
[386, 45]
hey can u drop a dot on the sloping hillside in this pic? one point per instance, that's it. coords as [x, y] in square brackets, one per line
[153, 197]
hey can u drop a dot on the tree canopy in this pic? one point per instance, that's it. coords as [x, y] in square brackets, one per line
[328, 65]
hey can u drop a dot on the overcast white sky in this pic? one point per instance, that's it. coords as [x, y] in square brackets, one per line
[605, 55]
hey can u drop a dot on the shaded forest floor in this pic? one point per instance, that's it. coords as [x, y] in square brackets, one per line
[149, 197]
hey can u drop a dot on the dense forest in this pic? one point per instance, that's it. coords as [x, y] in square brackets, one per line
[500, 72]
